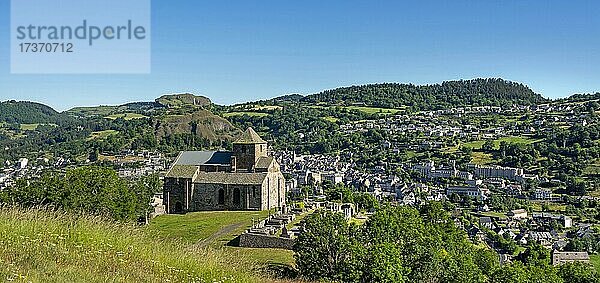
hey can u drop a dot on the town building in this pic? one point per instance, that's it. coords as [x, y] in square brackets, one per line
[518, 213]
[547, 218]
[475, 192]
[567, 257]
[513, 174]
[542, 194]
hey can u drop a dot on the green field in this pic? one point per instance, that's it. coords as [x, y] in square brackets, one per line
[249, 113]
[481, 158]
[512, 139]
[493, 214]
[593, 168]
[46, 246]
[373, 110]
[31, 127]
[28, 127]
[102, 134]
[199, 226]
[330, 119]
[364, 109]
[101, 111]
[595, 261]
[126, 116]
[215, 229]
[266, 107]
[537, 206]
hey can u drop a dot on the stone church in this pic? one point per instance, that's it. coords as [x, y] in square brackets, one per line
[243, 179]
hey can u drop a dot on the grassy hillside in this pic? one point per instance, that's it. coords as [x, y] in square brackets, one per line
[46, 246]
[102, 134]
[126, 116]
[249, 113]
[100, 111]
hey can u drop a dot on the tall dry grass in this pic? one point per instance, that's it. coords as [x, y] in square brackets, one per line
[45, 245]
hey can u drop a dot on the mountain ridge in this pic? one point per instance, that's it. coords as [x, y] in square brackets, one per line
[472, 92]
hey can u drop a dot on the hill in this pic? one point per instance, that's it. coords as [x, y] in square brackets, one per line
[108, 110]
[25, 112]
[171, 101]
[178, 100]
[476, 92]
[46, 246]
[201, 123]
[289, 98]
[184, 121]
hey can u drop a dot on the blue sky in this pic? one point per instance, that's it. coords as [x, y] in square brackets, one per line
[234, 51]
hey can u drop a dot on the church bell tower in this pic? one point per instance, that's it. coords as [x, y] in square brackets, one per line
[248, 149]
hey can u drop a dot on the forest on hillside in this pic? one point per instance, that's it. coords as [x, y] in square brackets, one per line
[476, 92]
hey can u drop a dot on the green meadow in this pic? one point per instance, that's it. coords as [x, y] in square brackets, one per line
[241, 113]
[216, 229]
[126, 116]
[511, 139]
[102, 134]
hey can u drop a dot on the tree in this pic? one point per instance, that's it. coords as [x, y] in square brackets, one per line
[89, 189]
[488, 145]
[535, 254]
[365, 201]
[510, 273]
[382, 263]
[93, 157]
[517, 272]
[578, 272]
[402, 244]
[327, 248]
[338, 193]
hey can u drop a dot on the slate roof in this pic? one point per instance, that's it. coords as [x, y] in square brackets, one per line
[182, 171]
[485, 219]
[230, 178]
[249, 137]
[264, 162]
[204, 158]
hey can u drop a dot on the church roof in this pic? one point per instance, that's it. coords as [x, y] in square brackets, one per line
[182, 171]
[197, 158]
[230, 178]
[264, 162]
[249, 137]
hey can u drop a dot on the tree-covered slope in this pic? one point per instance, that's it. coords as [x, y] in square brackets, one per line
[25, 112]
[476, 92]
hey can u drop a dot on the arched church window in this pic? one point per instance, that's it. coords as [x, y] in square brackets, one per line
[221, 196]
[236, 196]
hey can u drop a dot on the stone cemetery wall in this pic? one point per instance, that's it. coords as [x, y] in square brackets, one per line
[250, 240]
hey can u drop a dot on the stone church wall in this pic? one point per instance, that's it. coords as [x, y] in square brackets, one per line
[206, 197]
[174, 194]
[274, 191]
